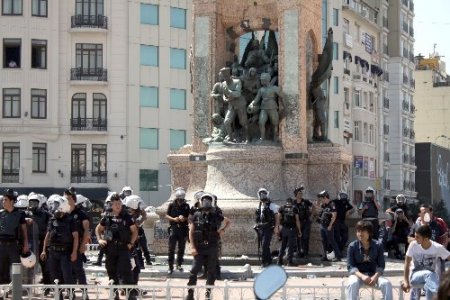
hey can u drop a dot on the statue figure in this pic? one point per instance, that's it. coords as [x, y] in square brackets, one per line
[269, 109]
[232, 97]
[250, 84]
[316, 96]
[257, 57]
[217, 96]
[218, 131]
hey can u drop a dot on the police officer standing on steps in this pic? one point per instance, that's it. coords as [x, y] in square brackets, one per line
[117, 233]
[305, 209]
[343, 209]
[327, 219]
[266, 217]
[177, 214]
[12, 223]
[204, 231]
[369, 208]
[290, 229]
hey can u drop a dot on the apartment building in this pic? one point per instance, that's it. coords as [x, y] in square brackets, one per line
[95, 94]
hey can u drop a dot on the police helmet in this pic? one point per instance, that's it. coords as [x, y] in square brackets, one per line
[323, 194]
[22, 201]
[370, 190]
[127, 191]
[400, 199]
[35, 200]
[289, 200]
[180, 193]
[342, 195]
[11, 194]
[198, 195]
[28, 259]
[263, 194]
[51, 201]
[207, 200]
[61, 204]
[81, 199]
[133, 201]
[299, 189]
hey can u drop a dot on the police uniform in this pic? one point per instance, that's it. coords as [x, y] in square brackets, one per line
[117, 233]
[178, 231]
[340, 228]
[60, 247]
[265, 222]
[205, 240]
[328, 235]
[10, 223]
[371, 214]
[289, 215]
[79, 216]
[304, 215]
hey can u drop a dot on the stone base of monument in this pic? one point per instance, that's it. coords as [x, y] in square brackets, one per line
[235, 173]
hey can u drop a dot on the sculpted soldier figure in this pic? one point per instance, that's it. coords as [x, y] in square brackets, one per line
[218, 130]
[217, 96]
[250, 84]
[257, 57]
[232, 88]
[269, 108]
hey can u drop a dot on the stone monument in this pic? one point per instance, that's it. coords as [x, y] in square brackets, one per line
[279, 154]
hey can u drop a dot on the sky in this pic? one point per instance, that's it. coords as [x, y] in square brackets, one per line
[432, 26]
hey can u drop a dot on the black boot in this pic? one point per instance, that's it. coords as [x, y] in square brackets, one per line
[208, 294]
[190, 295]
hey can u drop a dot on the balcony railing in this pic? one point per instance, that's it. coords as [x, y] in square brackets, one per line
[89, 177]
[93, 74]
[386, 157]
[89, 124]
[363, 10]
[90, 21]
[386, 102]
[441, 84]
[9, 176]
[405, 106]
[412, 83]
[412, 108]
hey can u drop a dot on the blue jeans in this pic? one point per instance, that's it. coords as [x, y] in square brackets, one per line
[354, 284]
[429, 280]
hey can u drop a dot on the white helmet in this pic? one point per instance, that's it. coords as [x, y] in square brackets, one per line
[61, 204]
[28, 260]
[263, 190]
[37, 197]
[51, 201]
[127, 191]
[400, 199]
[81, 199]
[180, 193]
[370, 190]
[133, 201]
[22, 201]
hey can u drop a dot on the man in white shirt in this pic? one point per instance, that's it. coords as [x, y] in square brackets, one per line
[425, 254]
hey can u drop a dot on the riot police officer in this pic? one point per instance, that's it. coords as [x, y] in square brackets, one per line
[204, 231]
[177, 214]
[12, 221]
[290, 229]
[369, 210]
[118, 233]
[343, 208]
[61, 242]
[305, 210]
[266, 218]
[327, 219]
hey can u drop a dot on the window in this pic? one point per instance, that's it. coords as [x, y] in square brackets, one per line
[98, 160]
[365, 133]
[371, 135]
[177, 139]
[148, 180]
[149, 14]
[336, 119]
[12, 7]
[149, 55]
[324, 20]
[177, 99]
[177, 17]
[148, 138]
[335, 51]
[357, 130]
[336, 84]
[366, 166]
[38, 104]
[78, 160]
[78, 111]
[11, 53]
[11, 162]
[89, 57]
[357, 98]
[99, 111]
[39, 8]
[371, 102]
[177, 58]
[39, 157]
[39, 54]
[335, 17]
[346, 26]
[149, 96]
[11, 103]
[346, 99]
[358, 165]
[89, 7]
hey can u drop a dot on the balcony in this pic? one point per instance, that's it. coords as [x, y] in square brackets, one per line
[406, 132]
[405, 79]
[412, 160]
[385, 22]
[10, 176]
[405, 2]
[405, 106]
[361, 9]
[88, 124]
[89, 21]
[386, 157]
[405, 27]
[441, 84]
[386, 129]
[89, 177]
[411, 6]
[412, 134]
[386, 102]
[405, 158]
[412, 108]
[411, 57]
[412, 83]
[405, 53]
[387, 184]
[411, 32]
[90, 74]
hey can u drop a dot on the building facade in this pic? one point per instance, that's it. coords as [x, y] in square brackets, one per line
[93, 96]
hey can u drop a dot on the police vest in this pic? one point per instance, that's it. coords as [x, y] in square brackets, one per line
[177, 210]
[40, 217]
[119, 229]
[303, 210]
[326, 215]
[265, 216]
[61, 232]
[205, 228]
[9, 224]
[78, 216]
[371, 211]
[288, 216]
